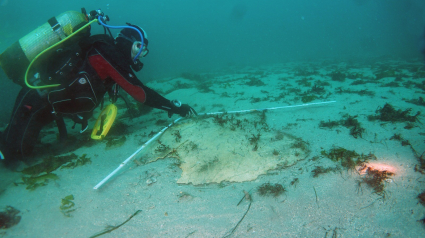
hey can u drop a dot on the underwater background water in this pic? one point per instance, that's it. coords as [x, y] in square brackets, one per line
[201, 36]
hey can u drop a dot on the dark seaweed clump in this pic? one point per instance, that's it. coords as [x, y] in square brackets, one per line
[385, 72]
[421, 198]
[388, 113]
[255, 82]
[49, 164]
[420, 101]
[306, 82]
[329, 124]
[338, 76]
[421, 166]
[40, 174]
[67, 205]
[322, 170]
[422, 221]
[267, 189]
[317, 91]
[9, 217]
[254, 141]
[82, 160]
[204, 87]
[348, 159]
[375, 179]
[222, 119]
[398, 137]
[356, 130]
[350, 122]
[308, 98]
[33, 182]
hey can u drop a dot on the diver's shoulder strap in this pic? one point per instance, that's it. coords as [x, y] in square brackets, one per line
[88, 42]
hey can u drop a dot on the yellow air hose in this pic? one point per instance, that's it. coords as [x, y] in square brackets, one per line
[44, 51]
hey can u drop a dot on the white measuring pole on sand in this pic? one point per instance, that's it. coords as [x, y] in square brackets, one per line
[266, 109]
[201, 114]
[134, 154]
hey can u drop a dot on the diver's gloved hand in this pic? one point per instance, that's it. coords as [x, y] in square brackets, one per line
[181, 109]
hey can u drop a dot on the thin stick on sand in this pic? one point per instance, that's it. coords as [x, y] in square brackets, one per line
[201, 114]
[315, 193]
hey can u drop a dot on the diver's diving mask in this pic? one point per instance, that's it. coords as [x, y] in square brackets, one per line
[136, 48]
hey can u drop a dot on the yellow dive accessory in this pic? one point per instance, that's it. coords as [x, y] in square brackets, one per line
[104, 122]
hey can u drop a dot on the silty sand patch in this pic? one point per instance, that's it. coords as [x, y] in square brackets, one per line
[225, 147]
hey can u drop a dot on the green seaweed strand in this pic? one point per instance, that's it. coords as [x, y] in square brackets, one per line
[112, 228]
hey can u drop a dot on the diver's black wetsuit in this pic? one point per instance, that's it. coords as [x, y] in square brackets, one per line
[94, 68]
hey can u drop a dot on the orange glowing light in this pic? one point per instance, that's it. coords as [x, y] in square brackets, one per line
[377, 166]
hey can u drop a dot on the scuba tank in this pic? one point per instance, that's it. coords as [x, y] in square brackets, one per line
[17, 57]
[65, 29]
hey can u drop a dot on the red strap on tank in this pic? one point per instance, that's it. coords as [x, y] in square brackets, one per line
[104, 69]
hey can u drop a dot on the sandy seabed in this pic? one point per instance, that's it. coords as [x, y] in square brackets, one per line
[181, 197]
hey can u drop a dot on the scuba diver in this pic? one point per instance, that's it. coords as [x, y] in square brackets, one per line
[85, 71]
